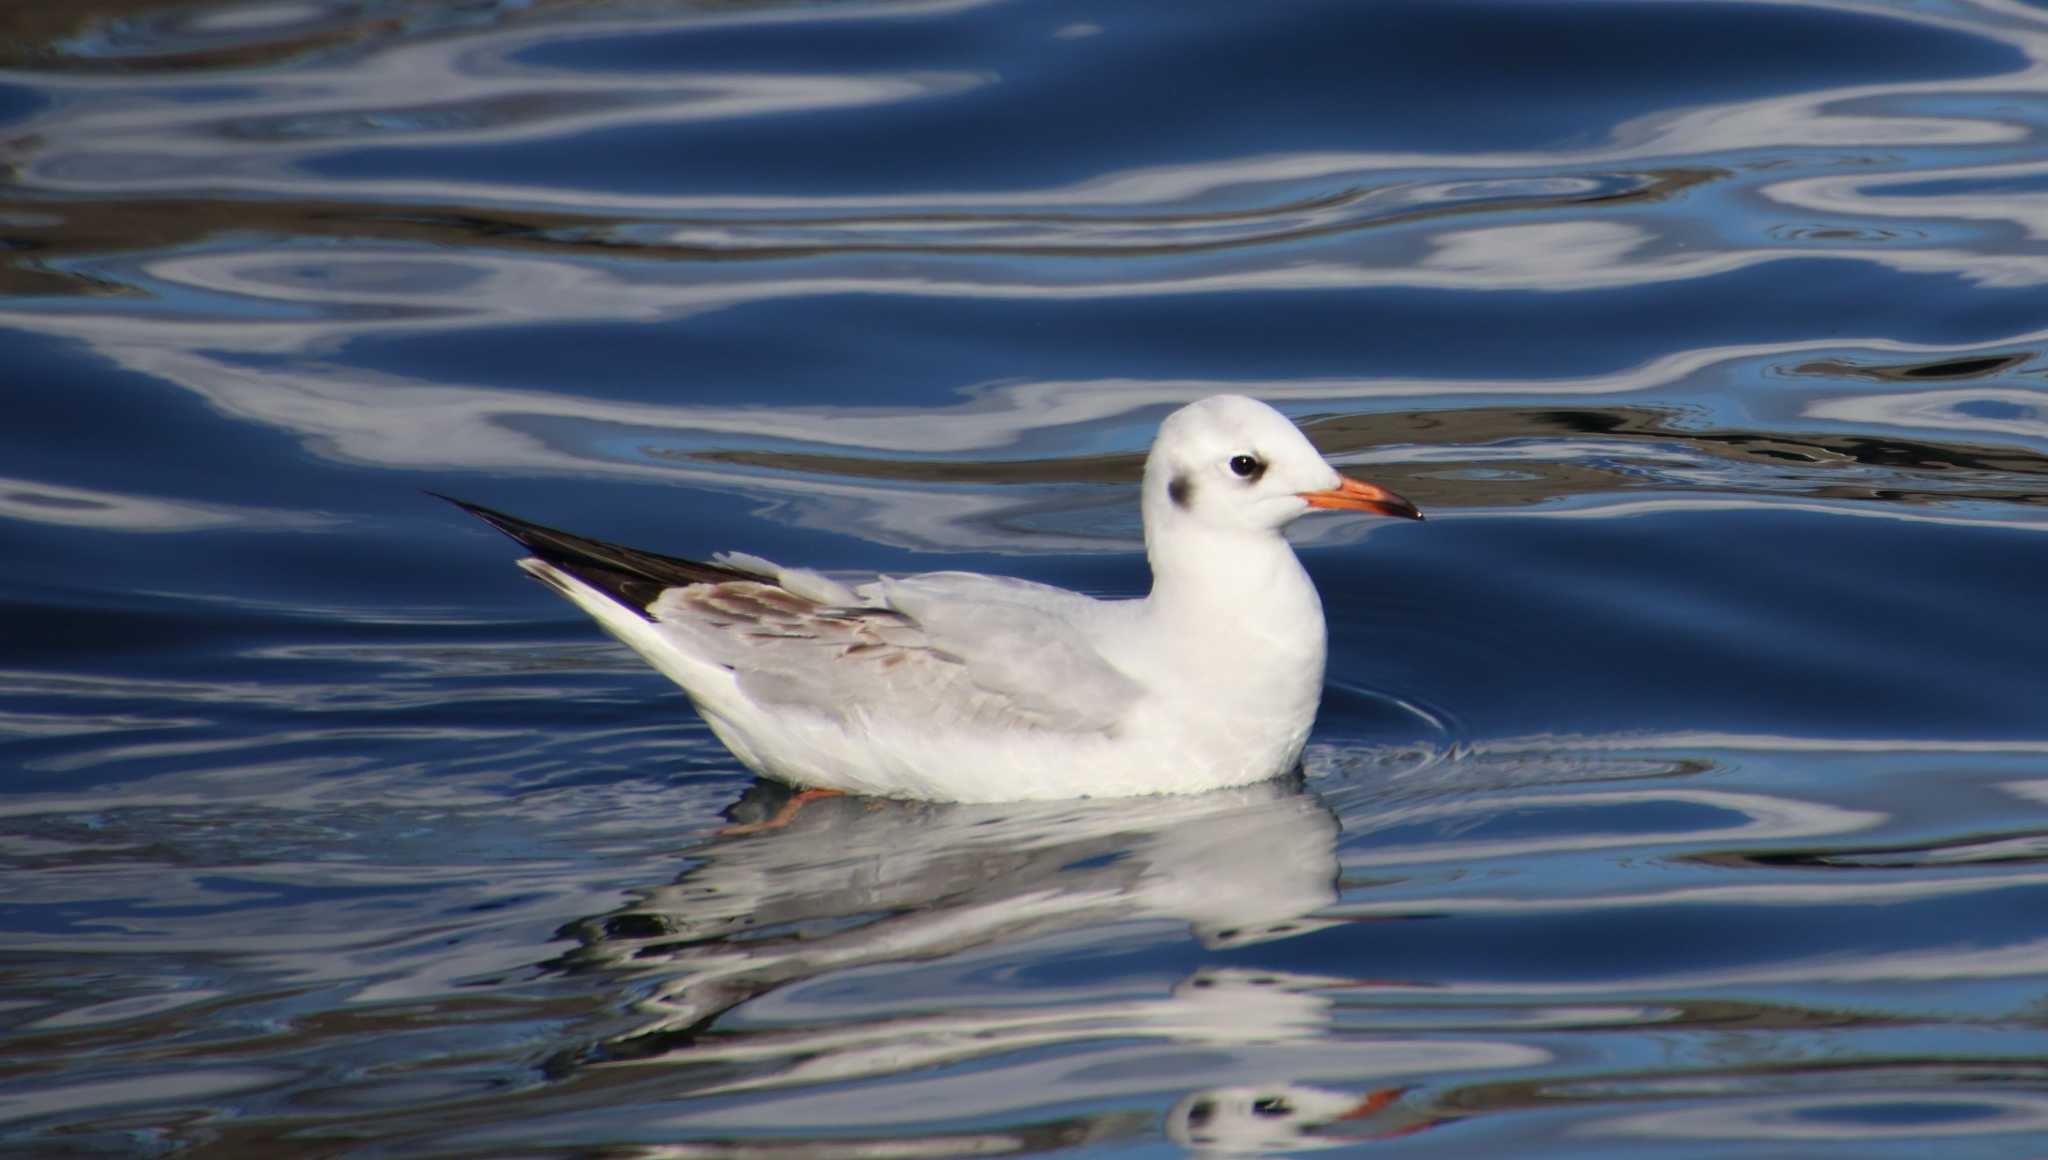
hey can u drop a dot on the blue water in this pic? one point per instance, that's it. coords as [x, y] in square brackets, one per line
[1681, 788]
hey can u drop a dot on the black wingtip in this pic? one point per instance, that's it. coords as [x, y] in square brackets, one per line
[633, 577]
[476, 509]
[531, 536]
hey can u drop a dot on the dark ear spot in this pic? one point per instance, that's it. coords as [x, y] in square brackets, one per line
[1181, 490]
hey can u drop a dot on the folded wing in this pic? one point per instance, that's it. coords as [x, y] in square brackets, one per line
[939, 649]
[917, 649]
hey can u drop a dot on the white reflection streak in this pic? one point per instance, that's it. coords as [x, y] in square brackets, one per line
[1768, 818]
[165, 142]
[385, 421]
[358, 417]
[1606, 508]
[175, 1084]
[324, 402]
[466, 71]
[34, 501]
[1761, 742]
[1556, 257]
[1937, 410]
[1940, 964]
[1835, 892]
[1838, 1116]
[1863, 195]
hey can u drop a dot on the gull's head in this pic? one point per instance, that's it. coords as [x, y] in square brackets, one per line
[1232, 463]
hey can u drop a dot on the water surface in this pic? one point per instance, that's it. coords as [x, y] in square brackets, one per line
[1679, 789]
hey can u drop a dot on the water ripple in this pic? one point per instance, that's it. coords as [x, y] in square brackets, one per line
[1678, 783]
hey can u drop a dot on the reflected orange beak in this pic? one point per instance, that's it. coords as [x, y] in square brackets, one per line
[1374, 1101]
[1359, 496]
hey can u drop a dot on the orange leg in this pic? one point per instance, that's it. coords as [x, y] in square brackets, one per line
[783, 816]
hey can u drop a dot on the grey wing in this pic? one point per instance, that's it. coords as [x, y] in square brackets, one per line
[944, 649]
[1027, 642]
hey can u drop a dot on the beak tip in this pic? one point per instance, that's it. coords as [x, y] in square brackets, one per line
[1357, 495]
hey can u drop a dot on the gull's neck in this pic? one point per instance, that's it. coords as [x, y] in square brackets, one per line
[1230, 642]
[1233, 626]
[1226, 585]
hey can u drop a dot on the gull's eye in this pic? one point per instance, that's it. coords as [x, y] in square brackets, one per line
[1246, 466]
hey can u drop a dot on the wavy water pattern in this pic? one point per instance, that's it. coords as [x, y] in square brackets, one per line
[1677, 789]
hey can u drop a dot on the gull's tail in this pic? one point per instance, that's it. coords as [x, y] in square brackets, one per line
[627, 576]
[616, 585]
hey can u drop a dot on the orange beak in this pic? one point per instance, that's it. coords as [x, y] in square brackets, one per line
[1359, 496]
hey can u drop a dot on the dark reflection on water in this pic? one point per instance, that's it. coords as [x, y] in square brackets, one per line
[1678, 787]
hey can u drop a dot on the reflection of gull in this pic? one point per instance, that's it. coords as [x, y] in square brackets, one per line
[957, 686]
[1240, 866]
[1239, 1120]
[967, 891]
[1832, 1101]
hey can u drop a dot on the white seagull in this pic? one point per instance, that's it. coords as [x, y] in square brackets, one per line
[956, 686]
